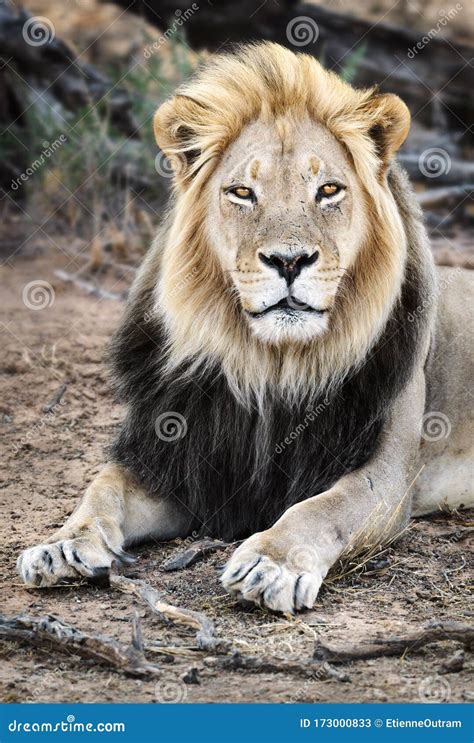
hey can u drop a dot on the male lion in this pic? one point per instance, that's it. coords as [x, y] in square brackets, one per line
[285, 341]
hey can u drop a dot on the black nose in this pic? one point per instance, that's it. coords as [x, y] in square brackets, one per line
[289, 266]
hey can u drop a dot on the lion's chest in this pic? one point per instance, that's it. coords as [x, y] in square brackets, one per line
[238, 471]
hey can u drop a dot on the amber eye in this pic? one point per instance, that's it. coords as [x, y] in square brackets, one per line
[241, 193]
[329, 189]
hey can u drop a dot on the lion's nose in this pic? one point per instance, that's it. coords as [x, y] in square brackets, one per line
[289, 266]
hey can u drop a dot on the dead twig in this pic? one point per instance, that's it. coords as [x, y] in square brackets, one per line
[51, 633]
[459, 171]
[205, 634]
[265, 664]
[444, 197]
[397, 645]
[192, 554]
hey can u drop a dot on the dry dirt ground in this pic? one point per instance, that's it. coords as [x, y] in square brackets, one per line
[48, 459]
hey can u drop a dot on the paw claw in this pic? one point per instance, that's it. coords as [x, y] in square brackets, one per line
[46, 565]
[278, 585]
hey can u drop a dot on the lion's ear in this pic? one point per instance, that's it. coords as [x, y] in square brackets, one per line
[388, 121]
[176, 126]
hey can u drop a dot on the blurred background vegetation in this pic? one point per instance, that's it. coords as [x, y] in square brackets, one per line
[94, 73]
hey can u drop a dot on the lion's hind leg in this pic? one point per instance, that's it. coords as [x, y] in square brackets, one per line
[114, 512]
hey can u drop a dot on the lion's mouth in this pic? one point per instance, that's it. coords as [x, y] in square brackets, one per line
[288, 305]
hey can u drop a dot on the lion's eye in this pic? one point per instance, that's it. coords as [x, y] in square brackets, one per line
[330, 193]
[329, 189]
[240, 194]
[243, 193]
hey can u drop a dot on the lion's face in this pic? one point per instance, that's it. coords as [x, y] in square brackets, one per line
[285, 249]
[283, 222]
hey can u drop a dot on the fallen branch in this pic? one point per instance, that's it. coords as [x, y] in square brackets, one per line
[397, 645]
[51, 633]
[194, 553]
[450, 172]
[445, 197]
[306, 669]
[205, 635]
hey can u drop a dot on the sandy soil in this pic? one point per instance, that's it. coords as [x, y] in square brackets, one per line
[48, 459]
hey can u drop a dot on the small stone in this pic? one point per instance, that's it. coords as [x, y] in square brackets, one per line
[192, 676]
[454, 664]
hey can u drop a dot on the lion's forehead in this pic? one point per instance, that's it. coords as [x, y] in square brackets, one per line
[298, 152]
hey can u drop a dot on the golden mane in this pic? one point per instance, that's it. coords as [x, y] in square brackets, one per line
[195, 299]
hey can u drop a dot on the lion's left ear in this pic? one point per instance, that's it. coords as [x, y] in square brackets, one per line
[388, 120]
[176, 126]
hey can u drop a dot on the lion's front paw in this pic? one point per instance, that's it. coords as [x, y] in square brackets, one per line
[281, 584]
[88, 555]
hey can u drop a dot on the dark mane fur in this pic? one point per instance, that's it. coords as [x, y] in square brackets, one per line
[232, 471]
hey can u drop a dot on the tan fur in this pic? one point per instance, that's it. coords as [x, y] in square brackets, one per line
[114, 512]
[281, 100]
[195, 128]
[315, 164]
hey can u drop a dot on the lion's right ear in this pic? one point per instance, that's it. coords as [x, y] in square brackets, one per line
[388, 122]
[178, 132]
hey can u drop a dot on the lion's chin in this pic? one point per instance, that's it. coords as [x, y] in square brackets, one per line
[299, 327]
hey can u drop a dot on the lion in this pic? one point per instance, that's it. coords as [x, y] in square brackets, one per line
[294, 368]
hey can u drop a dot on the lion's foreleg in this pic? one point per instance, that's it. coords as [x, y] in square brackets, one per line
[284, 566]
[115, 512]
